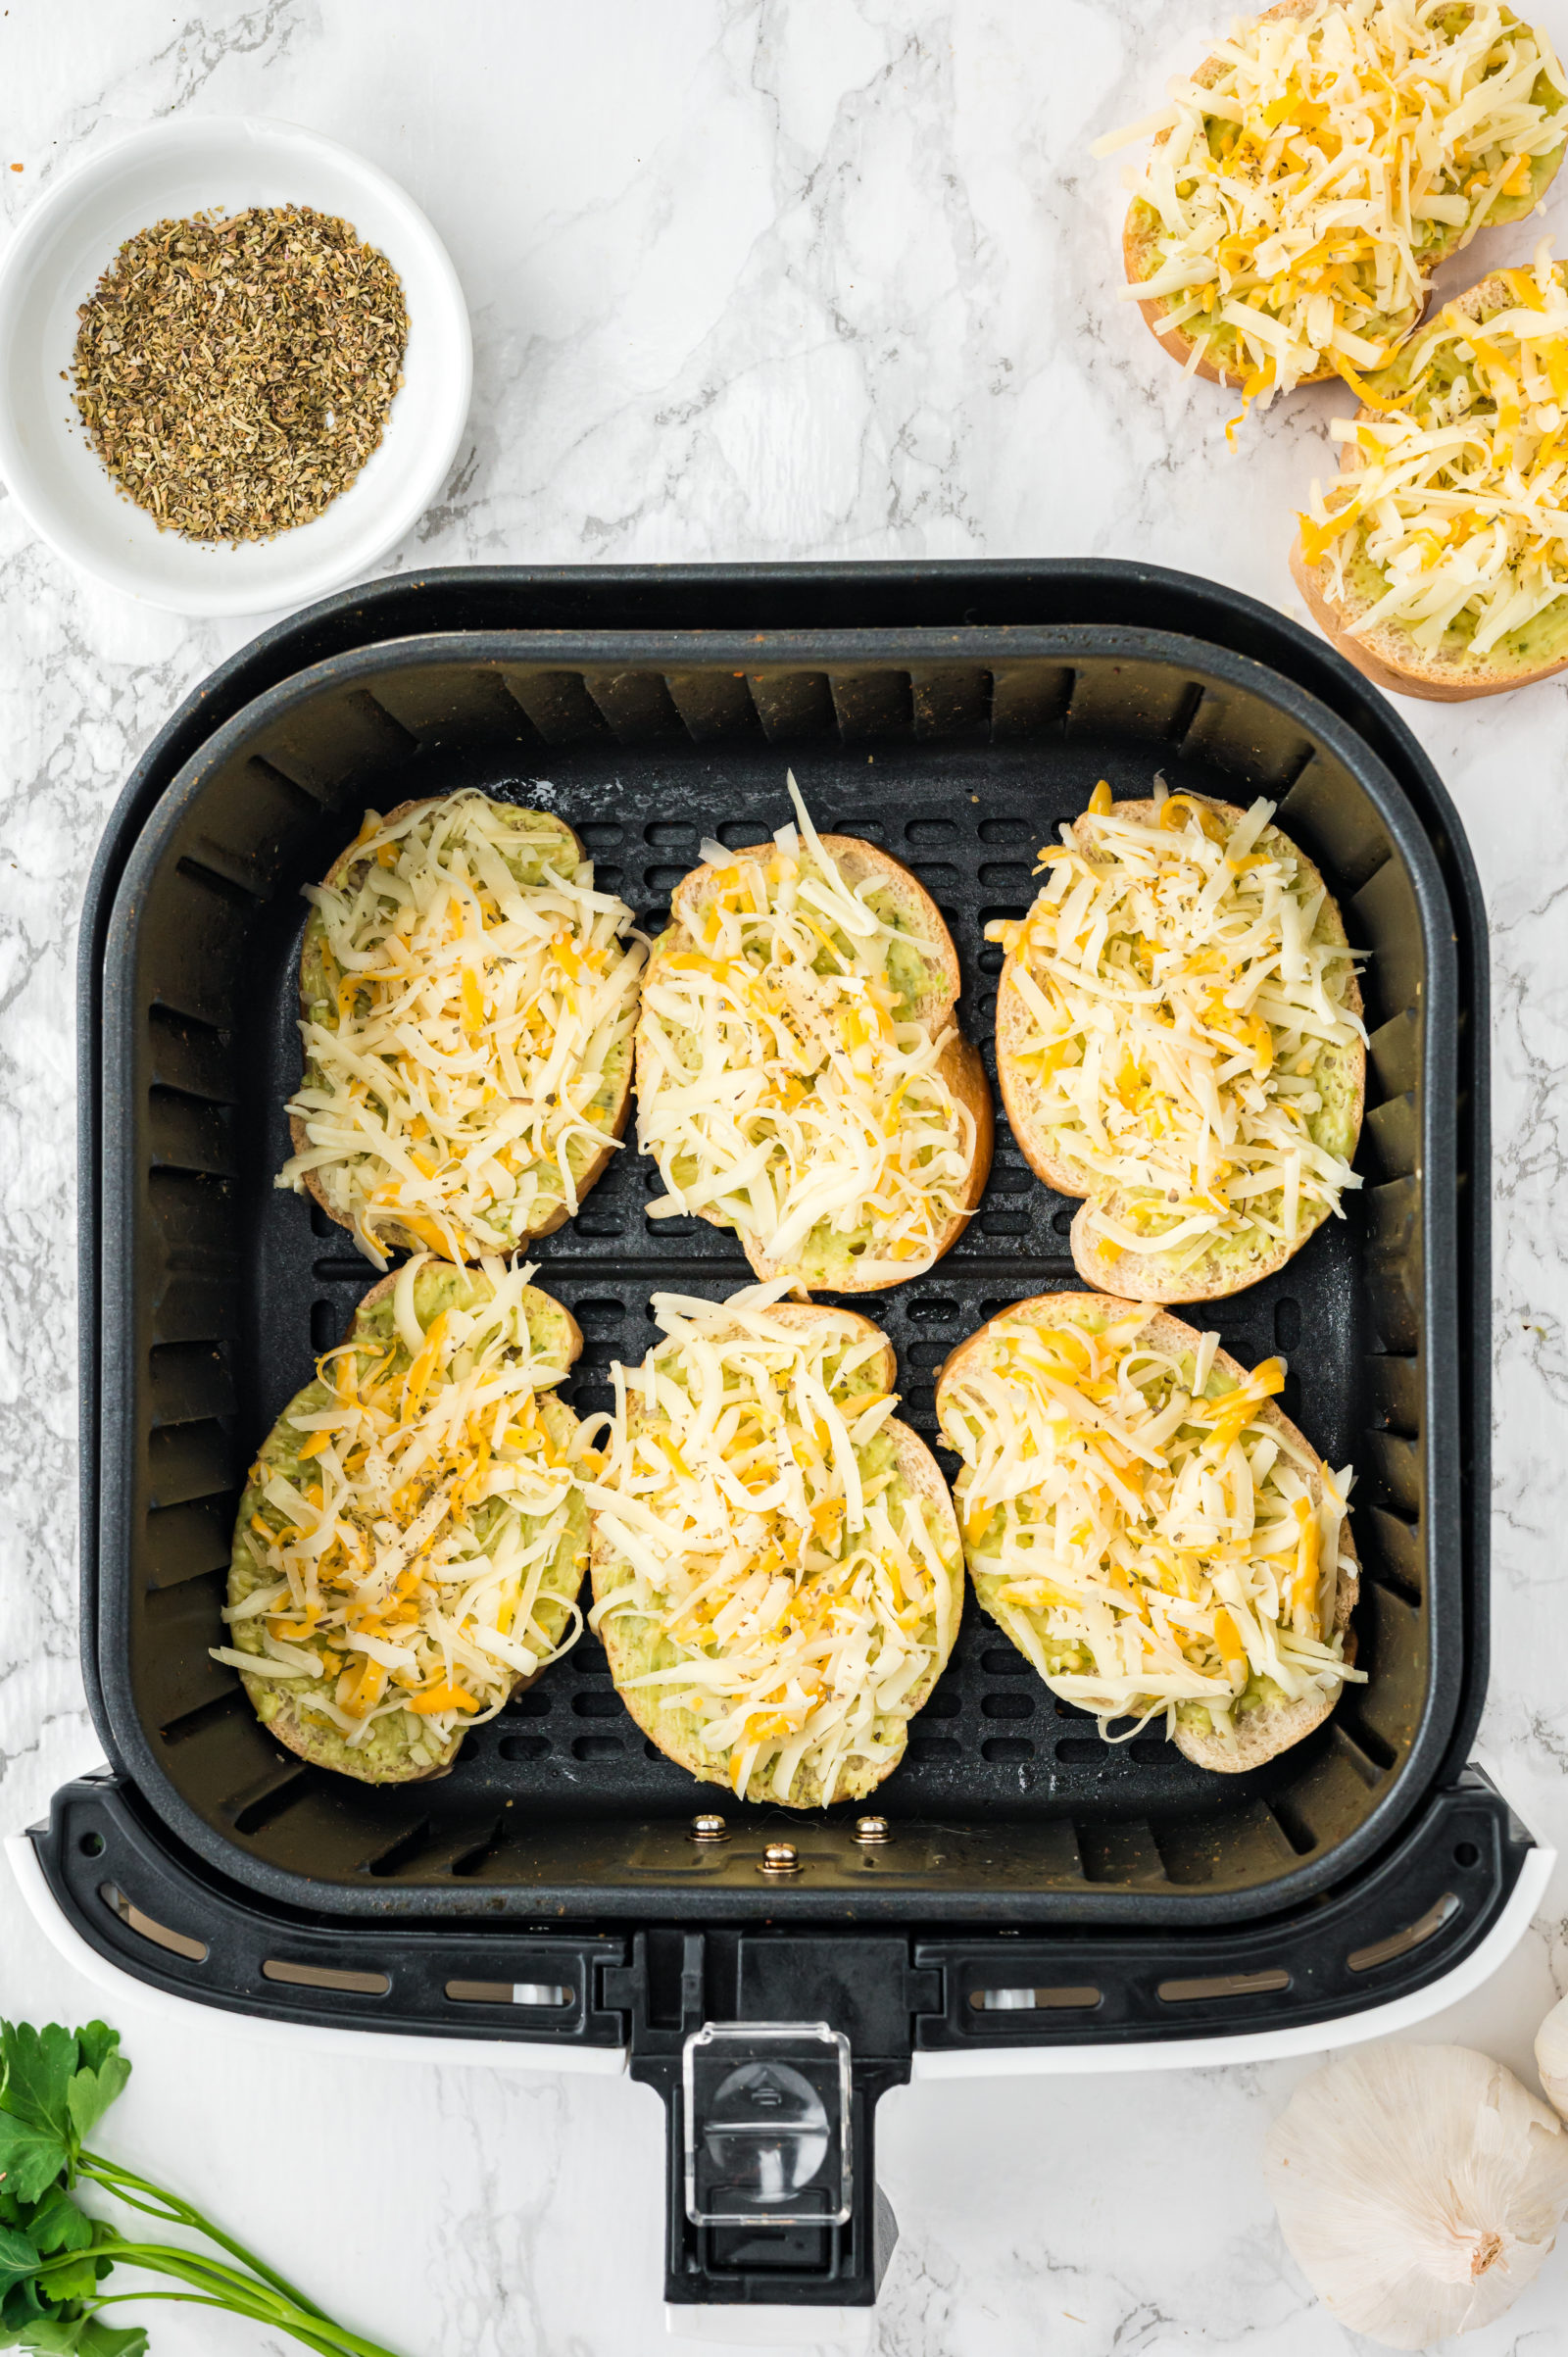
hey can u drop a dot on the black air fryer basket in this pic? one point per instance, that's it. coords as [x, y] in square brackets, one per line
[1035, 1885]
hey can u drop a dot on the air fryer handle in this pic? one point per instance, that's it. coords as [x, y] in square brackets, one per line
[807, 2265]
[760, 2038]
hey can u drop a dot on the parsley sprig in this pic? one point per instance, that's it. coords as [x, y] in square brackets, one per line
[55, 2086]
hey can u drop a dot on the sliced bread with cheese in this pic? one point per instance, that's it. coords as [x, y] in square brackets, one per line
[777, 1573]
[1156, 1538]
[467, 1007]
[412, 1534]
[1311, 177]
[801, 1077]
[1437, 562]
[1179, 1041]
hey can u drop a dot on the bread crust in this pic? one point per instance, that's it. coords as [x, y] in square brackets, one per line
[1139, 237]
[1273, 1728]
[916, 1464]
[398, 1238]
[308, 1739]
[1143, 1276]
[961, 1065]
[1386, 654]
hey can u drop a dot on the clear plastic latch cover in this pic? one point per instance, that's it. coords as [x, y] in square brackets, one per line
[766, 2125]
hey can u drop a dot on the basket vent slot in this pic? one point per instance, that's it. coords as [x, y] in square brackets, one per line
[540, 1995]
[398, 1853]
[1189, 705]
[230, 1703]
[1222, 1984]
[716, 705]
[523, 1746]
[793, 704]
[179, 1943]
[1293, 1824]
[223, 888]
[270, 1798]
[1072, 1997]
[325, 1975]
[1414, 1935]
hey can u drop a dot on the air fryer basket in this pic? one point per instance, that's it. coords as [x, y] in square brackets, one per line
[961, 750]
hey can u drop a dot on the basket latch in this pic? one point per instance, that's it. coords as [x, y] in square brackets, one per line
[772, 2198]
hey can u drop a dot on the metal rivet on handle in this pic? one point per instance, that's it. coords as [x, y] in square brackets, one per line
[780, 1858]
[706, 1827]
[870, 1829]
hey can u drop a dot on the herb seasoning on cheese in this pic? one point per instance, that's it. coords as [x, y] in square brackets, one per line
[1308, 178]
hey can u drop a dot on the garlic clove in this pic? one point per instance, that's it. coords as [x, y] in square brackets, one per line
[1418, 2188]
[1551, 2055]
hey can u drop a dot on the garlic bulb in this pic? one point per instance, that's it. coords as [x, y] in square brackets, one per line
[1551, 2055]
[1418, 2188]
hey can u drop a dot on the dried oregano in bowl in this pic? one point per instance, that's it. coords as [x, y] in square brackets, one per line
[234, 374]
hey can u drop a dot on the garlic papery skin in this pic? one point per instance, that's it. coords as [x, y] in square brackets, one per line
[1418, 2188]
[1551, 2055]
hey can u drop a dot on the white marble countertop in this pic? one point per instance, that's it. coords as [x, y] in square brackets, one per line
[749, 278]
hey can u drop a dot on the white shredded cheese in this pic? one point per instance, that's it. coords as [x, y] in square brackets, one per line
[402, 1568]
[784, 1084]
[1148, 1541]
[789, 1589]
[1173, 1000]
[1459, 496]
[1298, 206]
[469, 1032]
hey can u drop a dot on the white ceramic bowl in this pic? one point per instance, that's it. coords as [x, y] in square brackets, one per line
[63, 245]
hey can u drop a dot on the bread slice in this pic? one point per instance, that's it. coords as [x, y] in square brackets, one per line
[1386, 654]
[1142, 227]
[1232, 1263]
[1261, 1733]
[634, 1644]
[386, 1756]
[588, 1165]
[930, 995]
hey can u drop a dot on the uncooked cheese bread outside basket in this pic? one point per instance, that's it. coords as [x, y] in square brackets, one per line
[1287, 220]
[1431, 564]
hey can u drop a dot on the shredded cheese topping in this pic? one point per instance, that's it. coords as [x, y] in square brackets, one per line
[1459, 497]
[1177, 984]
[409, 1520]
[1147, 1537]
[1301, 203]
[785, 1585]
[467, 1032]
[785, 1084]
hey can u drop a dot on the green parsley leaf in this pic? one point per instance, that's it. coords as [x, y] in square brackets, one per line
[30, 2158]
[18, 2258]
[36, 2067]
[85, 2336]
[56, 2224]
[95, 2041]
[91, 2093]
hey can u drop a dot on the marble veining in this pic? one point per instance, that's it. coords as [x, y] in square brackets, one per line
[749, 280]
